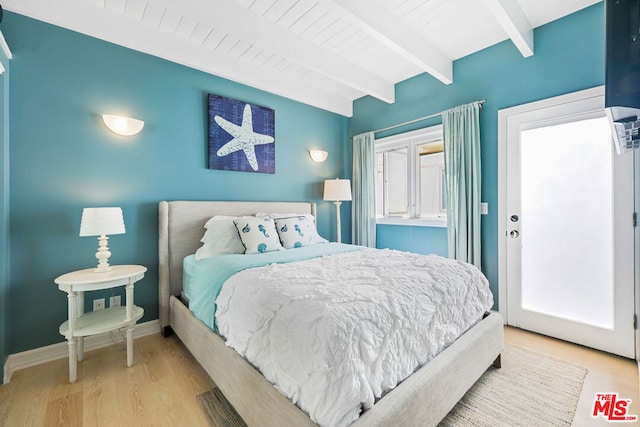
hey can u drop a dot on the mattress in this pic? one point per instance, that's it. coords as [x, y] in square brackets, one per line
[336, 327]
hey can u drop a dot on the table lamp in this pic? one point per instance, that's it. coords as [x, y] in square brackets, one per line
[102, 222]
[337, 190]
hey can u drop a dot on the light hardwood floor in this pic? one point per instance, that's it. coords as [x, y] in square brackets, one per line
[161, 388]
[158, 390]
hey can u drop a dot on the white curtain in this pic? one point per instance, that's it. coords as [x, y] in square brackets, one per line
[461, 127]
[363, 222]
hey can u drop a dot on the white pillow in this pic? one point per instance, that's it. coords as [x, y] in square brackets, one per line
[311, 222]
[275, 216]
[258, 235]
[221, 237]
[297, 231]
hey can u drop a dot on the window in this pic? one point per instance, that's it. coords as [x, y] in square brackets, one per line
[410, 185]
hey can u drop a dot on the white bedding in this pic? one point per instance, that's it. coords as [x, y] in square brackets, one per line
[335, 333]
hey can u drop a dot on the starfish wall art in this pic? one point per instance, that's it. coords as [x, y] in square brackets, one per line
[241, 136]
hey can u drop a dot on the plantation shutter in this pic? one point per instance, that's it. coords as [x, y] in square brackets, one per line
[397, 182]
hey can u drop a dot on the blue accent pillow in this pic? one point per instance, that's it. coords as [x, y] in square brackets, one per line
[296, 231]
[258, 235]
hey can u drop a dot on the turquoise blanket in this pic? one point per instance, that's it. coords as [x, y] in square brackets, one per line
[203, 279]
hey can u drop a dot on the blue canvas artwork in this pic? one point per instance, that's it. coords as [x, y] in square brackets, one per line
[241, 136]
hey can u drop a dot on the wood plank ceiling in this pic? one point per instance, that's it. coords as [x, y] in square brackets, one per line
[325, 53]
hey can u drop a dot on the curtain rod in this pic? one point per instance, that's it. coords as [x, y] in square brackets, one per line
[480, 102]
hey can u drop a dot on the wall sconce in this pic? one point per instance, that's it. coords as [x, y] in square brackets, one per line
[318, 156]
[125, 126]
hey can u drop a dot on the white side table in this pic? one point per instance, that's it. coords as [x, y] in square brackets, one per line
[81, 324]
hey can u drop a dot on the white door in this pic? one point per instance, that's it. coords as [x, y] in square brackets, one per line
[566, 223]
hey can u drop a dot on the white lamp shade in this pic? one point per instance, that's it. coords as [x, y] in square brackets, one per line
[101, 222]
[125, 126]
[337, 189]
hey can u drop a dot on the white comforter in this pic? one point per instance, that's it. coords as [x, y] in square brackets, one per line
[337, 332]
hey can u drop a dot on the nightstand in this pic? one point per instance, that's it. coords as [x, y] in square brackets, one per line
[81, 324]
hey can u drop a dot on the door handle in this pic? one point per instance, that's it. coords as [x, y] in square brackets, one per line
[514, 234]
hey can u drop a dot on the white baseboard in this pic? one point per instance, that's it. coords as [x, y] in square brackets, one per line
[57, 351]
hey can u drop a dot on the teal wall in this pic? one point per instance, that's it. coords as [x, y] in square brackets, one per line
[4, 202]
[569, 56]
[422, 240]
[64, 159]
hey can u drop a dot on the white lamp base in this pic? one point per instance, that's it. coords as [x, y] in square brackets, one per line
[103, 255]
[338, 226]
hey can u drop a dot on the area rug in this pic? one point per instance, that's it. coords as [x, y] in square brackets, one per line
[530, 389]
[217, 409]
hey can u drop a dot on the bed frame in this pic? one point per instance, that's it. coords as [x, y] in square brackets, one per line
[423, 399]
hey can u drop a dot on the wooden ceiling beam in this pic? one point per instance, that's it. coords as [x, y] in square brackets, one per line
[153, 40]
[515, 23]
[389, 30]
[226, 15]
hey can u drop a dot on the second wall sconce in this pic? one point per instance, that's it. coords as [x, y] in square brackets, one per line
[318, 156]
[125, 126]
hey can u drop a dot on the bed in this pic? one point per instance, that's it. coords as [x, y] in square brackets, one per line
[423, 399]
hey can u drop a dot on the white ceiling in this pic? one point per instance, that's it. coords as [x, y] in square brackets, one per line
[324, 53]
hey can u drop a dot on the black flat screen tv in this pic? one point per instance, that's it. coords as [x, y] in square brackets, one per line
[622, 87]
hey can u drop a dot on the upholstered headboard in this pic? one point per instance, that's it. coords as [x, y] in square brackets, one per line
[181, 226]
